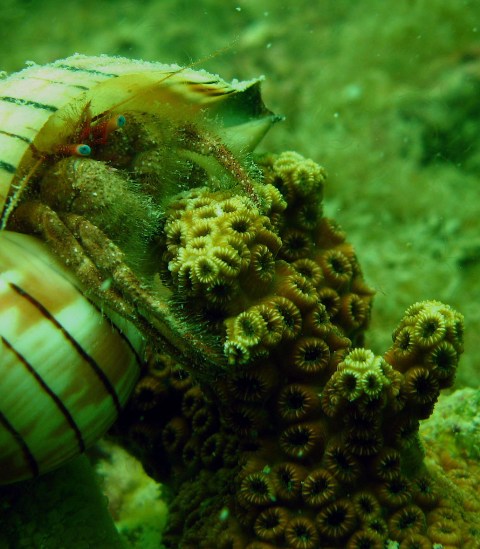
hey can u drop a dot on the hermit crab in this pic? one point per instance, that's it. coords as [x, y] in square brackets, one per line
[90, 150]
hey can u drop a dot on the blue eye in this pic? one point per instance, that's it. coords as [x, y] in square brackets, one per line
[83, 150]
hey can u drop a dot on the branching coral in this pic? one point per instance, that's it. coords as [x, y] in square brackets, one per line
[306, 439]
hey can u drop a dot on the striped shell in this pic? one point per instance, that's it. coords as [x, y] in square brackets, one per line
[66, 370]
[39, 105]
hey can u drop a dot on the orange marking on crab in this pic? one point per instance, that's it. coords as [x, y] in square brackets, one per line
[79, 149]
[99, 132]
[93, 130]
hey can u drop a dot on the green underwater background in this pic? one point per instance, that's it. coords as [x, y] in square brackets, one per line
[384, 95]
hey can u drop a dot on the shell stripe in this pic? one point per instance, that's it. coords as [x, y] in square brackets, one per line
[82, 69]
[78, 348]
[29, 457]
[59, 404]
[210, 91]
[58, 83]
[138, 360]
[29, 103]
[16, 136]
[7, 167]
[204, 82]
[116, 328]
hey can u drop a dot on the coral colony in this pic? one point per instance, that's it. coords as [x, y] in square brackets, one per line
[306, 439]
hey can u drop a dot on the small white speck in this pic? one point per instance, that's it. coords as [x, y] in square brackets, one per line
[105, 285]
[238, 8]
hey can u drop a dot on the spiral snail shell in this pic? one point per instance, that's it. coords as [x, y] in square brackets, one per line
[67, 365]
[66, 368]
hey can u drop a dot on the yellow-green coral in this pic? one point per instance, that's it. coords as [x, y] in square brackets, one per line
[238, 260]
[210, 240]
[431, 334]
[307, 438]
[361, 374]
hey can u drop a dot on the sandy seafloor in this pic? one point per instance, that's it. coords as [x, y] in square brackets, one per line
[383, 94]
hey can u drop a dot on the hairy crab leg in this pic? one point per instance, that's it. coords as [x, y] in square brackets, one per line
[135, 302]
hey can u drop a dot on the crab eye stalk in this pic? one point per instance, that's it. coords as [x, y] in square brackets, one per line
[99, 132]
[78, 149]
